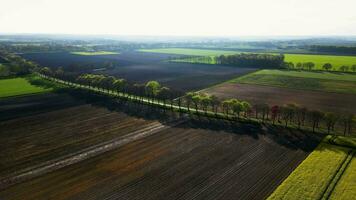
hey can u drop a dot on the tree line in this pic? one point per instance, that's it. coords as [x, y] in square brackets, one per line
[252, 60]
[15, 65]
[311, 66]
[333, 49]
[197, 103]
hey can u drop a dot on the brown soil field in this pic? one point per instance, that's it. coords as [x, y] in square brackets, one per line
[189, 161]
[324, 101]
[142, 67]
[43, 127]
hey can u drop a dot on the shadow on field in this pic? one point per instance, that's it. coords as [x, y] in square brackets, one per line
[287, 137]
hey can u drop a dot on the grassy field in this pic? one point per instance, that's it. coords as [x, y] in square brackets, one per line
[319, 60]
[94, 53]
[329, 171]
[18, 86]
[329, 82]
[191, 52]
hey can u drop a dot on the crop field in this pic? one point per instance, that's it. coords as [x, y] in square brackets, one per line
[18, 86]
[256, 94]
[142, 67]
[328, 172]
[184, 162]
[45, 127]
[319, 60]
[318, 81]
[94, 53]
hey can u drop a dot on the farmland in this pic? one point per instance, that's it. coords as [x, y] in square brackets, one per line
[18, 86]
[319, 60]
[330, 168]
[318, 81]
[93, 53]
[330, 92]
[191, 52]
[142, 67]
[59, 129]
[189, 161]
[257, 94]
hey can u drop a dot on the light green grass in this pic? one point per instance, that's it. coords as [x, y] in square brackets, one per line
[320, 60]
[312, 177]
[94, 53]
[18, 86]
[190, 52]
[319, 81]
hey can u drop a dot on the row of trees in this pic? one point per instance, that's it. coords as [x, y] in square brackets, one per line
[15, 65]
[201, 103]
[252, 60]
[311, 66]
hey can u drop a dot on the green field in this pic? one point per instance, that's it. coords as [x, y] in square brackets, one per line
[94, 53]
[319, 60]
[190, 52]
[319, 81]
[18, 86]
[329, 171]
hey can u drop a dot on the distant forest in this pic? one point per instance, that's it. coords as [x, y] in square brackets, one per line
[334, 49]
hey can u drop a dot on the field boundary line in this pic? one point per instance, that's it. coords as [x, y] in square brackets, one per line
[337, 176]
[89, 152]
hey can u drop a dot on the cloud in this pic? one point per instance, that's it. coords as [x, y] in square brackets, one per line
[180, 17]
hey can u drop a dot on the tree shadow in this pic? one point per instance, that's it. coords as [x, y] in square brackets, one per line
[288, 137]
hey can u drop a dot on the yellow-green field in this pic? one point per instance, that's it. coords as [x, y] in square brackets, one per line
[328, 172]
[18, 86]
[94, 53]
[320, 60]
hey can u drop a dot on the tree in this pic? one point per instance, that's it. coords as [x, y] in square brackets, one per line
[152, 89]
[353, 68]
[189, 99]
[246, 108]
[214, 103]
[299, 66]
[300, 115]
[287, 113]
[164, 94]
[46, 71]
[327, 66]
[275, 113]
[236, 107]
[108, 82]
[344, 68]
[330, 120]
[265, 110]
[309, 65]
[347, 120]
[205, 102]
[59, 72]
[226, 106]
[315, 117]
[289, 65]
[196, 100]
[119, 85]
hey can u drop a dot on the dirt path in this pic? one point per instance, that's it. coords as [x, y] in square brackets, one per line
[84, 154]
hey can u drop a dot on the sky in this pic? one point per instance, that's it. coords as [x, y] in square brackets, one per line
[180, 17]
